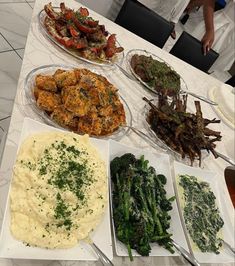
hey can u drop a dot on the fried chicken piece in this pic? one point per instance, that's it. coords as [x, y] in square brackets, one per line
[47, 100]
[64, 118]
[106, 111]
[65, 78]
[46, 83]
[90, 124]
[81, 72]
[76, 101]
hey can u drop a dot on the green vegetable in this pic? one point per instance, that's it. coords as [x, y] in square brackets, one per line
[201, 214]
[140, 206]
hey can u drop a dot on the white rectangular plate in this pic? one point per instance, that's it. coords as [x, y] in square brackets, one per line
[162, 165]
[12, 248]
[225, 255]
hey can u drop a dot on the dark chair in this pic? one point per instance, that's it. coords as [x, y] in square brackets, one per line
[189, 49]
[142, 21]
[231, 81]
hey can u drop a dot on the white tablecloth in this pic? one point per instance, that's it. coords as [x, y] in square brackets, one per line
[39, 51]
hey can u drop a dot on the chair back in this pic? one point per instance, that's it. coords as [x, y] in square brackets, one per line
[144, 22]
[189, 49]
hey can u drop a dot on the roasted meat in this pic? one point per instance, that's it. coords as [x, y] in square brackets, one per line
[158, 75]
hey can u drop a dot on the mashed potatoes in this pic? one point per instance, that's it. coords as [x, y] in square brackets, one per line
[59, 190]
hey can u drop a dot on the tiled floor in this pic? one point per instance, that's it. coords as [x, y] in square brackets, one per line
[15, 18]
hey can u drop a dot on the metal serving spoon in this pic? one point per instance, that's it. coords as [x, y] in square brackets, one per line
[228, 246]
[202, 98]
[102, 257]
[225, 158]
[148, 139]
[190, 258]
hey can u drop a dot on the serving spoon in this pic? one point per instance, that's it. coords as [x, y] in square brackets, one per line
[102, 257]
[228, 246]
[190, 258]
[145, 137]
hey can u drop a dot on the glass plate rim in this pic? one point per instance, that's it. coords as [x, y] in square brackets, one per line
[31, 101]
[127, 59]
[107, 64]
[161, 144]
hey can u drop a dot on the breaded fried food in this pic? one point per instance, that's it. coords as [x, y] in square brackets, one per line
[64, 118]
[90, 124]
[65, 78]
[47, 100]
[76, 101]
[85, 102]
[46, 83]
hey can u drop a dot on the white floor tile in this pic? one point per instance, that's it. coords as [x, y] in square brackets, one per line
[4, 46]
[20, 52]
[14, 23]
[10, 65]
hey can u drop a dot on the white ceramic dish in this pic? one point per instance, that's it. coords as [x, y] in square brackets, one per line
[162, 165]
[49, 70]
[118, 58]
[12, 248]
[225, 255]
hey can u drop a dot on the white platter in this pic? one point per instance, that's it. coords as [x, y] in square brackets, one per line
[162, 165]
[12, 248]
[225, 255]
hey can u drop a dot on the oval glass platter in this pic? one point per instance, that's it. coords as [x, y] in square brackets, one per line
[44, 116]
[162, 144]
[139, 52]
[117, 58]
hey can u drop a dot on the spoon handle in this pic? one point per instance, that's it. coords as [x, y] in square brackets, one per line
[229, 247]
[103, 258]
[204, 99]
[186, 254]
[124, 72]
[225, 158]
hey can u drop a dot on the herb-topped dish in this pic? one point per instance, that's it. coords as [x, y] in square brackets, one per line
[58, 196]
[154, 73]
[77, 99]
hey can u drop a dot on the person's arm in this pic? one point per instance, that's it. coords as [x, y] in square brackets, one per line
[208, 12]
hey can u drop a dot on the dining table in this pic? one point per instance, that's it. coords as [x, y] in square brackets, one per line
[40, 51]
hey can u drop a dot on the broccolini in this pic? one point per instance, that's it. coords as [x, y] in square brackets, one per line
[140, 205]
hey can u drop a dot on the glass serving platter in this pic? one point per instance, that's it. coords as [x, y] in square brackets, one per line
[118, 58]
[49, 70]
[132, 52]
[162, 145]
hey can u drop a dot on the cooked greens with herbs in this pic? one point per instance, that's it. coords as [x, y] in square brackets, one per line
[140, 205]
[158, 75]
[201, 215]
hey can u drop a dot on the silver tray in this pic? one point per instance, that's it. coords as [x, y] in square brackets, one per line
[132, 52]
[30, 100]
[118, 58]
